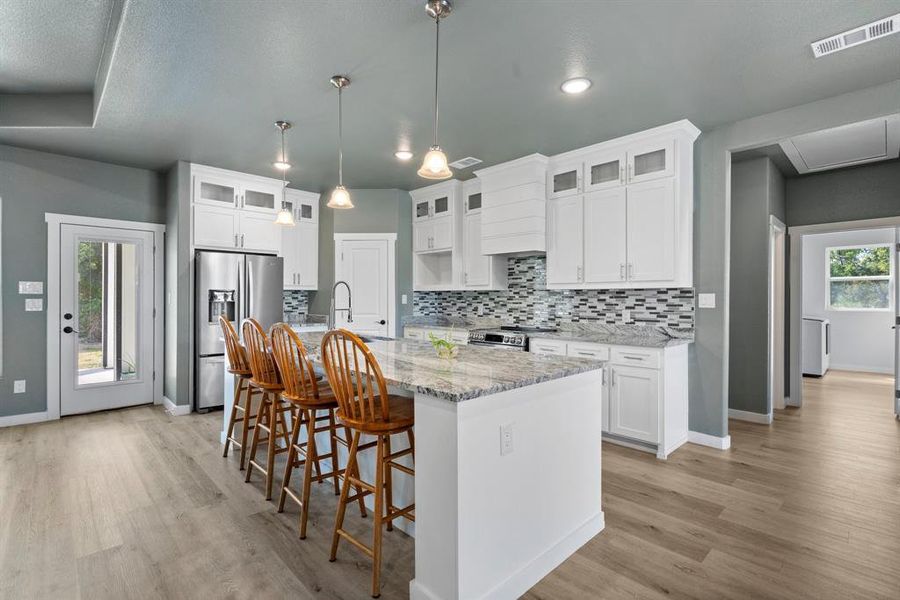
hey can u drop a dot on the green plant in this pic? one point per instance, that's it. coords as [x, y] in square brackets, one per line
[443, 346]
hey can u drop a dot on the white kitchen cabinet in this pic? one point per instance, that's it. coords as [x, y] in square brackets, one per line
[300, 243]
[437, 236]
[457, 336]
[604, 169]
[637, 196]
[652, 230]
[442, 234]
[565, 229]
[260, 197]
[215, 226]
[634, 403]
[644, 391]
[435, 203]
[215, 189]
[652, 159]
[565, 179]
[605, 243]
[480, 271]
[258, 232]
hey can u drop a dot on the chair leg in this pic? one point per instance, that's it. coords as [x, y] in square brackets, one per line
[274, 417]
[245, 429]
[291, 460]
[355, 472]
[412, 444]
[335, 462]
[285, 433]
[388, 481]
[234, 410]
[312, 458]
[345, 492]
[379, 515]
[261, 415]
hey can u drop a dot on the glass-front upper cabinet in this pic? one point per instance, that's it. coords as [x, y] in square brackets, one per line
[441, 206]
[604, 169]
[260, 197]
[565, 179]
[215, 191]
[303, 205]
[423, 210]
[651, 160]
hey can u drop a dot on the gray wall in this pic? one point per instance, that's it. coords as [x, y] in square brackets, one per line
[33, 183]
[178, 356]
[374, 211]
[712, 223]
[757, 191]
[866, 192]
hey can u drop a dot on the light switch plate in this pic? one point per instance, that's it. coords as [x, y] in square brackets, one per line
[403, 299]
[34, 304]
[506, 439]
[19, 386]
[31, 287]
[707, 300]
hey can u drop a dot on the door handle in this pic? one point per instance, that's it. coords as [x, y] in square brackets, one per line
[381, 322]
[67, 316]
[68, 329]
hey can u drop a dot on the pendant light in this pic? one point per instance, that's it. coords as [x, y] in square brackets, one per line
[285, 215]
[340, 197]
[434, 165]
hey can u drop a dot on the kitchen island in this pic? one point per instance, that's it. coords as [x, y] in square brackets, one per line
[507, 482]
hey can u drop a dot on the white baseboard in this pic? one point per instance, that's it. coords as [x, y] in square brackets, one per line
[177, 410]
[525, 578]
[753, 417]
[704, 439]
[27, 418]
[861, 369]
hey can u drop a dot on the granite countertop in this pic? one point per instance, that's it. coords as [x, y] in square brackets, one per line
[615, 338]
[443, 323]
[412, 365]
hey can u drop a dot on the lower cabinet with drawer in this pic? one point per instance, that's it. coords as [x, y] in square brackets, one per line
[644, 395]
[457, 336]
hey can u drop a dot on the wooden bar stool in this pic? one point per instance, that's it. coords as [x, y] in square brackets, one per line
[301, 388]
[239, 366]
[366, 408]
[270, 414]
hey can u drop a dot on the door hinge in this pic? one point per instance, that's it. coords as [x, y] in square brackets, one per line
[897, 320]
[898, 246]
[896, 393]
[154, 375]
[154, 312]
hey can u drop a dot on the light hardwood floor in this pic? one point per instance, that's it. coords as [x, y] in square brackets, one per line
[137, 504]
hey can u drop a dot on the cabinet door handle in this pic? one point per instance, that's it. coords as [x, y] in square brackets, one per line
[630, 271]
[621, 174]
[603, 382]
[580, 274]
[578, 182]
[242, 240]
[622, 271]
[630, 172]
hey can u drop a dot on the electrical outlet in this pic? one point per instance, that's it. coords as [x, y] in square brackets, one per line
[403, 299]
[506, 439]
[706, 300]
[19, 386]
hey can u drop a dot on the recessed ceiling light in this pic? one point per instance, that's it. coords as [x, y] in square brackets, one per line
[403, 154]
[281, 165]
[576, 85]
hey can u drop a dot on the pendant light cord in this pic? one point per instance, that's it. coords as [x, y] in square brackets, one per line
[437, 49]
[283, 183]
[340, 137]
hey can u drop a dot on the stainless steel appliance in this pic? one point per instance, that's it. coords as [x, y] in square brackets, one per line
[512, 337]
[237, 285]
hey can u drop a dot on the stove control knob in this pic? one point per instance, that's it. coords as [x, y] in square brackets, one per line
[505, 339]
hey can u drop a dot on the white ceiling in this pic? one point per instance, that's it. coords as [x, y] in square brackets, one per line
[204, 80]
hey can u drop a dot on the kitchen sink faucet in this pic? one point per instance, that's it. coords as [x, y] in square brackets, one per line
[333, 310]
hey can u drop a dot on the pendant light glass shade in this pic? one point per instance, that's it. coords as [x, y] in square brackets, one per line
[434, 165]
[340, 198]
[285, 215]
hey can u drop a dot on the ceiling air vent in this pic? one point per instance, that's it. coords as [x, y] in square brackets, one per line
[857, 36]
[465, 163]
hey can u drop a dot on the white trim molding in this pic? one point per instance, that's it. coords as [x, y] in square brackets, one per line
[751, 417]
[177, 410]
[704, 439]
[26, 419]
[54, 224]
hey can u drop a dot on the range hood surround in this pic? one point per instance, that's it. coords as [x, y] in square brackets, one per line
[514, 207]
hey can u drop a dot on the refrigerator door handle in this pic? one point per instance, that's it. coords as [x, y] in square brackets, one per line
[241, 312]
[248, 295]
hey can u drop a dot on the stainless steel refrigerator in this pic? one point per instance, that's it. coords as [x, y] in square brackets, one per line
[237, 285]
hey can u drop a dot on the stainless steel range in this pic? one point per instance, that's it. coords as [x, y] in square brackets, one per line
[512, 337]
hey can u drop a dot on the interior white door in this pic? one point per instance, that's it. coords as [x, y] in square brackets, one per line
[604, 236]
[477, 265]
[106, 318]
[897, 322]
[651, 231]
[364, 265]
[565, 252]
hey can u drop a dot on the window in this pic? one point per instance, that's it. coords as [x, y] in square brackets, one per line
[859, 277]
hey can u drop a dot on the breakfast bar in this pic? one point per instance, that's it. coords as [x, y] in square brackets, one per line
[507, 463]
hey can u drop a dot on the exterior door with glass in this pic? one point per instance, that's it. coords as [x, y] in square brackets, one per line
[106, 318]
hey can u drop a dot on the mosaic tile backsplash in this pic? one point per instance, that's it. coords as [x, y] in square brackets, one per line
[529, 302]
[296, 301]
